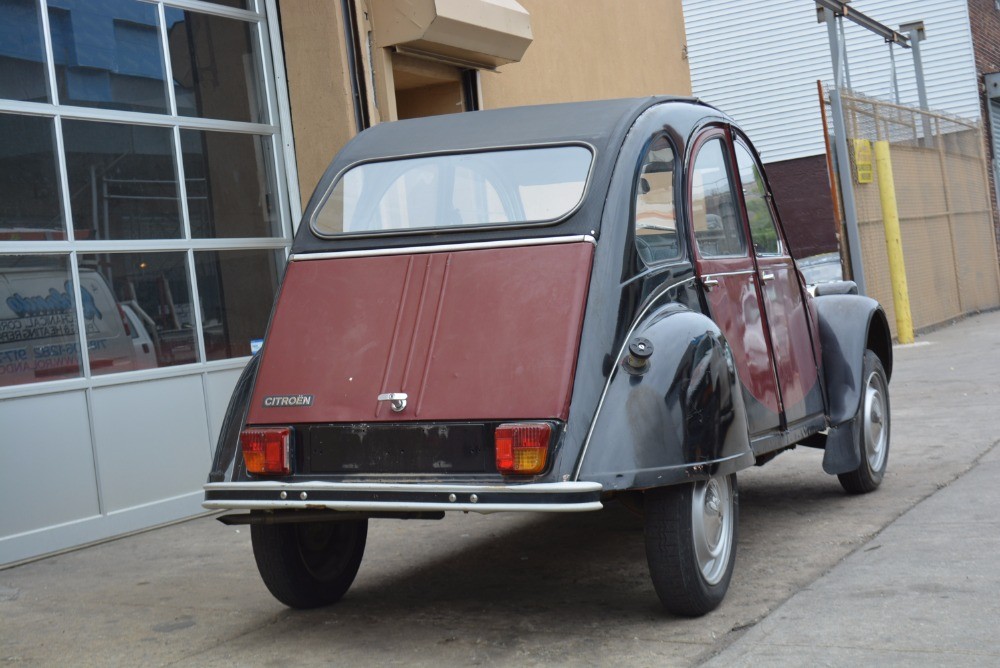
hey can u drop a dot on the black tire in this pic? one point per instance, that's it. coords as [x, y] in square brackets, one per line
[687, 584]
[873, 429]
[309, 564]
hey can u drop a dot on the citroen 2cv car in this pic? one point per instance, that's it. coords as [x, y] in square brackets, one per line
[541, 309]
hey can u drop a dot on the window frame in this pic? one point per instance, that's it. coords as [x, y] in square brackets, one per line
[677, 184]
[740, 141]
[702, 139]
[456, 228]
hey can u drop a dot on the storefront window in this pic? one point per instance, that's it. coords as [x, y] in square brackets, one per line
[122, 181]
[38, 325]
[29, 189]
[237, 289]
[145, 172]
[215, 66]
[142, 317]
[107, 54]
[22, 59]
[230, 184]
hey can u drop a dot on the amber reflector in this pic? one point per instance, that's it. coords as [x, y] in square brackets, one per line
[522, 447]
[267, 451]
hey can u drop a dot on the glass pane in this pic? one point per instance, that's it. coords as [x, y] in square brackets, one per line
[717, 227]
[38, 323]
[236, 4]
[108, 54]
[22, 53]
[236, 289]
[149, 314]
[230, 184]
[216, 67]
[655, 221]
[122, 181]
[763, 230]
[463, 189]
[29, 187]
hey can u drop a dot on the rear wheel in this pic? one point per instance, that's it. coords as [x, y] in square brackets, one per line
[691, 543]
[874, 428]
[309, 564]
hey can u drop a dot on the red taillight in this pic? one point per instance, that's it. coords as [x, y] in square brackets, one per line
[267, 451]
[522, 447]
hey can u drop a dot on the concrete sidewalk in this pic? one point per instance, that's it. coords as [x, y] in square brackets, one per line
[925, 591]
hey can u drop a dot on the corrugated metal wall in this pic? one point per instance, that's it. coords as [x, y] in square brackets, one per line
[759, 61]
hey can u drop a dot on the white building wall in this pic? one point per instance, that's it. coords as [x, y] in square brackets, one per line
[759, 61]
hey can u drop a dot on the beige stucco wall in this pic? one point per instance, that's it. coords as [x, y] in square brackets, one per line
[593, 49]
[582, 50]
[319, 88]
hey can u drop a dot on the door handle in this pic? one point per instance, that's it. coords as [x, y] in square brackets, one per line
[709, 283]
[766, 277]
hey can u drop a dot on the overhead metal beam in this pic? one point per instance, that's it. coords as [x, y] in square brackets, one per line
[841, 8]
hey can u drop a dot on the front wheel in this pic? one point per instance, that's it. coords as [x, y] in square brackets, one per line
[691, 543]
[309, 564]
[874, 428]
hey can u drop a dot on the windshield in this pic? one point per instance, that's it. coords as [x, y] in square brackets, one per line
[520, 186]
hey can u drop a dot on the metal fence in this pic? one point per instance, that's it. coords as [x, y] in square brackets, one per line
[943, 198]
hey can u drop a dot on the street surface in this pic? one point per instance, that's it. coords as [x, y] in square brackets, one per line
[573, 589]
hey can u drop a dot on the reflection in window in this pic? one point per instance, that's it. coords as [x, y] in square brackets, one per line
[717, 227]
[38, 326]
[107, 54]
[230, 184]
[763, 231]
[22, 60]
[29, 189]
[122, 181]
[147, 291]
[215, 66]
[236, 289]
[655, 220]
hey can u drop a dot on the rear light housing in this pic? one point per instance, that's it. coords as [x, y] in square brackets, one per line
[522, 447]
[267, 450]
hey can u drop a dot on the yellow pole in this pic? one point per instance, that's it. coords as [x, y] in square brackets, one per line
[893, 242]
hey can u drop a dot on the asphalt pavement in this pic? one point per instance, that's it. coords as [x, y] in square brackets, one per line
[908, 575]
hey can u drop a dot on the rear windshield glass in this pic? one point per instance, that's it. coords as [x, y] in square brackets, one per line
[518, 186]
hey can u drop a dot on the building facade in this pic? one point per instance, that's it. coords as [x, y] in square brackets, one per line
[762, 67]
[155, 159]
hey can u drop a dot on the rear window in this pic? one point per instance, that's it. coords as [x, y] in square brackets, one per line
[455, 191]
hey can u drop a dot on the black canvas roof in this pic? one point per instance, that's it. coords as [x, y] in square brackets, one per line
[602, 124]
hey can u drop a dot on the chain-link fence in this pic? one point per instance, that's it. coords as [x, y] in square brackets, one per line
[943, 198]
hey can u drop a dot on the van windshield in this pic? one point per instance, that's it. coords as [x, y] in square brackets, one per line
[516, 186]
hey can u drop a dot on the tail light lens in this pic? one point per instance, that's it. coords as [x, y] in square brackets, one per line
[522, 447]
[267, 451]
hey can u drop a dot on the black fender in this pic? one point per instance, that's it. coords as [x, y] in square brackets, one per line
[848, 325]
[227, 448]
[681, 418]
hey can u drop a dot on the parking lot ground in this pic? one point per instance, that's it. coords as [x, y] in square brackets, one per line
[821, 577]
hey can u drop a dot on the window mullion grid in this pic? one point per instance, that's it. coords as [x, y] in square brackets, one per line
[270, 94]
[50, 64]
[275, 71]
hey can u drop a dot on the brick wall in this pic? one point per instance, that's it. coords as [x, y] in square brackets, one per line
[985, 22]
[802, 193]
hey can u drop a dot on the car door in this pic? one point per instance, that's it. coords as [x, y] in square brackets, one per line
[781, 293]
[727, 273]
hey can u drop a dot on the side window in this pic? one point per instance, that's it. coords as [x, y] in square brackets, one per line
[655, 221]
[717, 228]
[763, 230]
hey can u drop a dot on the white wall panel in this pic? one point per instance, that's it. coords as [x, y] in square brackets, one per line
[152, 440]
[759, 62]
[46, 463]
[219, 388]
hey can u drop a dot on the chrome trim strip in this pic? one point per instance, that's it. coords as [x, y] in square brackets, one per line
[445, 248]
[525, 488]
[614, 370]
[482, 508]
[742, 272]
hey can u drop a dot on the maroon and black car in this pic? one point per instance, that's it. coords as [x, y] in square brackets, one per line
[540, 309]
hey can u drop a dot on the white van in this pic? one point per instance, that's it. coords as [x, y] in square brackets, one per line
[38, 339]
